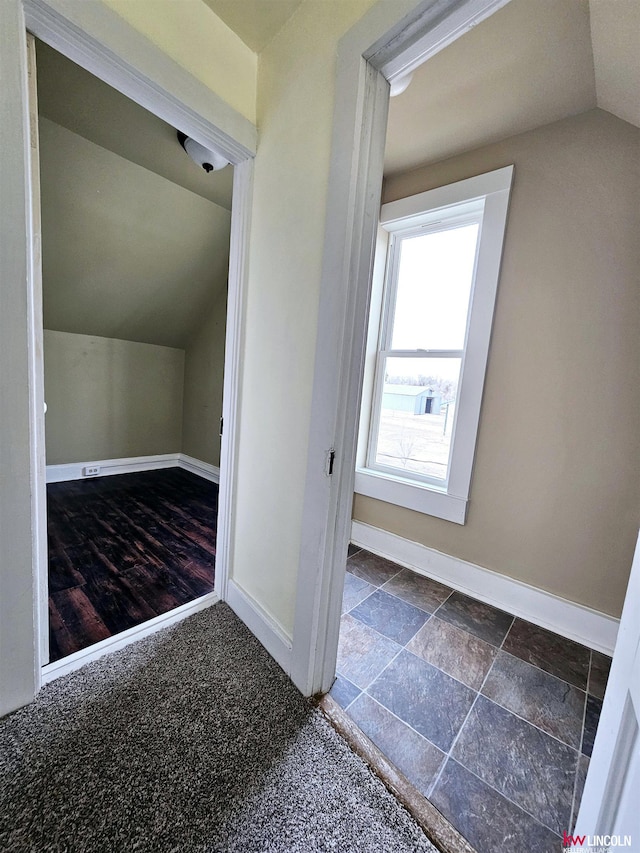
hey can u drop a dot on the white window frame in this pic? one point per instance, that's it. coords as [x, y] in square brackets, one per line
[484, 198]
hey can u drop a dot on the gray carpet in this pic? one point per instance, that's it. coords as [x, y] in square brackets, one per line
[190, 740]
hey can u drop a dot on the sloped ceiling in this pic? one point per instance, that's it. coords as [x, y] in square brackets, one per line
[529, 64]
[126, 253]
[255, 21]
[615, 32]
[71, 97]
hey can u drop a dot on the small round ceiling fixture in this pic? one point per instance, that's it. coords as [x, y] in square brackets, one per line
[210, 161]
[400, 84]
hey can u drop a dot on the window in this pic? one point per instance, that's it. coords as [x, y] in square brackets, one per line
[429, 331]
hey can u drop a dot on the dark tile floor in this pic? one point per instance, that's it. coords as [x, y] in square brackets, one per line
[490, 717]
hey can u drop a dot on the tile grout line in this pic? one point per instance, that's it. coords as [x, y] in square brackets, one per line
[379, 633]
[399, 598]
[484, 782]
[501, 793]
[518, 716]
[449, 755]
[410, 651]
[508, 710]
[444, 672]
[529, 723]
[404, 722]
[422, 660]
[401, 647]
[507, 798]
[580, 753]
[464, 722]
[586, 700]
[384, 668]
[464, 684]
[417, 606]
[400, 569]
[540, 669]
[443, 603]
[392, 595]
[516, 657]
[364, 690]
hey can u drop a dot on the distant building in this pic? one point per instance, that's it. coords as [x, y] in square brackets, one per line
[411, 398]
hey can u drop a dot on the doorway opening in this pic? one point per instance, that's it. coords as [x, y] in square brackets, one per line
[135, 262]
[380, 632]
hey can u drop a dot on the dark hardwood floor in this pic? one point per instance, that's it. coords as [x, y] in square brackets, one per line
[126, 548]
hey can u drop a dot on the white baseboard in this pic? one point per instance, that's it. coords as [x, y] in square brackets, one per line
[72, 662]
[202, 469]
[108, 467]
[262, 626]
[590, 627]
[130, 465]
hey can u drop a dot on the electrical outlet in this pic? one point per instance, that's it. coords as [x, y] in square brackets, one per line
[90, 470]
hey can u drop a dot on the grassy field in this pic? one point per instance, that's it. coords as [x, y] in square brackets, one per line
[415, 443]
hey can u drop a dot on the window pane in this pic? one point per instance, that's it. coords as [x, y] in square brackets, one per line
[434, 284]
[417, 413]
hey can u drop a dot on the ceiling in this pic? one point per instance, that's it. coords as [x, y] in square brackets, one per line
[255, 21]
[75, 99]
[135, 236]
[529, 64]
[125, 253]
[615, 30]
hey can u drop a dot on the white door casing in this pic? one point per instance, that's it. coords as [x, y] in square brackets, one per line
[389, 42]
[40, 493]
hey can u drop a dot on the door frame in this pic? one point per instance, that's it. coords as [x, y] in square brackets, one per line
[97, 39]
[385, 46]
[614, 759]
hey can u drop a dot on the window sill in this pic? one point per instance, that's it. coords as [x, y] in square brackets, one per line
[429, 500]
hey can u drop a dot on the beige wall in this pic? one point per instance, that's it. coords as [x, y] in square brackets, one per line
[555, 499]
[203, 378]
[109, 398]
[295, 108]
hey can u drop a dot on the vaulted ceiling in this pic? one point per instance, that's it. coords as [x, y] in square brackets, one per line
[615, 33]
[531, 63]
[135, 235]
[255, 21]
[75, 99]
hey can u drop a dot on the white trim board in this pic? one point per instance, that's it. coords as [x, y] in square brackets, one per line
[266, 630]
[99, 40]
[126, 465]
[196, 466]
[132, 464]
[68, 664]
[233, 355]
[590, 627]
